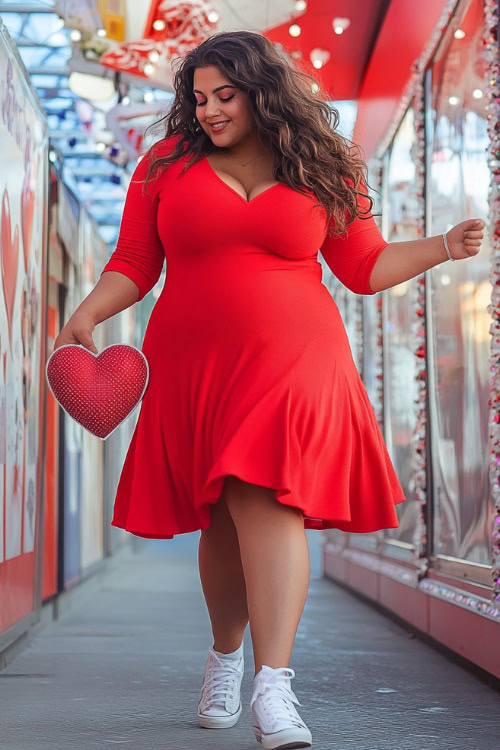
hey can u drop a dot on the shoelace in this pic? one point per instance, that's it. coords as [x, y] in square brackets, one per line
[278, 697]
[219, 683]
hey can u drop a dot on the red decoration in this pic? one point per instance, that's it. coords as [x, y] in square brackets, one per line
[98, 391]
[10, 256]
[185, 25]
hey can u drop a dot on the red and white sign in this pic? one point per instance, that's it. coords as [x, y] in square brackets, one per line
[173, 28]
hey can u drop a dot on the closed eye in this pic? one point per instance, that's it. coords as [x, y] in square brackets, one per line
[202, 104]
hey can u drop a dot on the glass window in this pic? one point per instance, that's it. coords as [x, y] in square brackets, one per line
[400, 389]
[460, 292]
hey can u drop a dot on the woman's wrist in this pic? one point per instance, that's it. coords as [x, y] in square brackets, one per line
[85, 312]
[446, 247]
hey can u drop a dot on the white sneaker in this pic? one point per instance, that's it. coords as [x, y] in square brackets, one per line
[220, 705]
[276, 722]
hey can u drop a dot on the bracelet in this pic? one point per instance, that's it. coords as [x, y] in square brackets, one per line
[446, 247]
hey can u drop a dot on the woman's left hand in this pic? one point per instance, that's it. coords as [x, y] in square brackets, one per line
[464, 239]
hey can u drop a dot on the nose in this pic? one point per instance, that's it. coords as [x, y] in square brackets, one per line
[212, 109]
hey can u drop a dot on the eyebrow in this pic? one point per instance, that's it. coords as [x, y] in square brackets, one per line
[225, 86]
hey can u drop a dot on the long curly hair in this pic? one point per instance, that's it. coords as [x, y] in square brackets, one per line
[296, 124]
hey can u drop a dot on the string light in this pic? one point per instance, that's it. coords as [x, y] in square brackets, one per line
[340, 24]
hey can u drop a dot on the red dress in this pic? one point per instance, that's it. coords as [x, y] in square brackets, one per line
[251, 371]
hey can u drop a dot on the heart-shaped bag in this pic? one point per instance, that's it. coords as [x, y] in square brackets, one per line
[99, 391]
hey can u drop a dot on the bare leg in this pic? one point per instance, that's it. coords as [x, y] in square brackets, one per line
[275, 556]
[222, 579]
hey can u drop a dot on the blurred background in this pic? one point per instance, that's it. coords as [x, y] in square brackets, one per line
[416, 86]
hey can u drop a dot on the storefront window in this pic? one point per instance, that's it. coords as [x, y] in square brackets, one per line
[459, 295]
[400, 389]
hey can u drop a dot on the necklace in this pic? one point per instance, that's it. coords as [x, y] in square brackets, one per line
[237, 162]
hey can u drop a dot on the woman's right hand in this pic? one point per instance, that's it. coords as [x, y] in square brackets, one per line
[78, 330]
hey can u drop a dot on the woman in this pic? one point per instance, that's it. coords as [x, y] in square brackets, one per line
[255, 424]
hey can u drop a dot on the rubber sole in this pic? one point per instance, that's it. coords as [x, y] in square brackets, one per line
[284, 740]
[219, 722]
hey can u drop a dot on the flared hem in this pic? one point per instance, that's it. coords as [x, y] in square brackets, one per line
[310, 522]
[319, 452]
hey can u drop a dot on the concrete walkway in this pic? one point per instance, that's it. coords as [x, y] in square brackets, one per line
[124, 667]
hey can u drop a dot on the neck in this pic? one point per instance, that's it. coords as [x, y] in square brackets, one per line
[246, 149]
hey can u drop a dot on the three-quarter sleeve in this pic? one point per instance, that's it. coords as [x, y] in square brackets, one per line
[352, 255]
[139, 253]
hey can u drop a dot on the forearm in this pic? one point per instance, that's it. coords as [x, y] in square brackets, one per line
[113, 293]
[400, 261]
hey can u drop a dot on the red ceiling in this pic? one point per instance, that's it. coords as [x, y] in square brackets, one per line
[371, 61]
[349, 52]
[407, 28]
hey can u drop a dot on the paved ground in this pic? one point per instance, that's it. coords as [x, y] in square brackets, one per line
[124, 667]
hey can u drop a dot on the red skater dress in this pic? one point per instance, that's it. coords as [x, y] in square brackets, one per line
[251, 371]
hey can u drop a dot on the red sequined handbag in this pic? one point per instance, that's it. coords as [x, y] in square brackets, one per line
[99, 391]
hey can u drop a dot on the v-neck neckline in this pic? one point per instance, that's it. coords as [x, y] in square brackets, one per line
[247, 202]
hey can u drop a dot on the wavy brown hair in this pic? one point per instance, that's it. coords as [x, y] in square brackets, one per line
[297, 125]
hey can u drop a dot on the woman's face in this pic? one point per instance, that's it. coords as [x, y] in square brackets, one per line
[219, 101]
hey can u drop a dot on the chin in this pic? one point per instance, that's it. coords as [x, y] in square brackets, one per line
[222, 139]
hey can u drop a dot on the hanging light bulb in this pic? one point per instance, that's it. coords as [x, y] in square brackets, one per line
[101, 32]
[300, 5]
[319, 57]
[149, 96]
[75, 35]
[154, 56]
[158, 25]
[340, 24]
[213, 16]
[149, 69]
[294, 29]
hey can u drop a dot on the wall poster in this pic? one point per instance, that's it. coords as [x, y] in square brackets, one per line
[23, 256]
